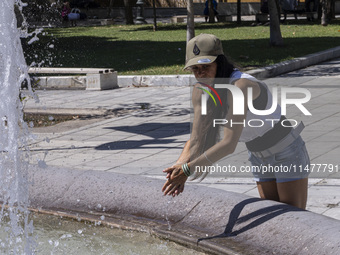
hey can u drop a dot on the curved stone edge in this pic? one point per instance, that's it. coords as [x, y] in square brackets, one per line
[261, 73]
[208, 218]
[294, 64]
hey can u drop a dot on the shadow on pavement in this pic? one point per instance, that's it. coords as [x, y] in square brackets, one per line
[156, 130]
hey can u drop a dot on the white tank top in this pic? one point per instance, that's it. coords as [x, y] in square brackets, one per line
[250, 133]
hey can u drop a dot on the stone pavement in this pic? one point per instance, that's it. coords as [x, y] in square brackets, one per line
[151, 136]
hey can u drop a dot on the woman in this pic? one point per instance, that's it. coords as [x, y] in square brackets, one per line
[272, 144]
[66, 9]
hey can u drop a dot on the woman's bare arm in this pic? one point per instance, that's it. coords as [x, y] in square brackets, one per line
[231, 134]
[176, 176]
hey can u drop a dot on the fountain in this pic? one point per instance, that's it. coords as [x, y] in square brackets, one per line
[16, 220]
[17, 180]
[215, 221]
[13, 134]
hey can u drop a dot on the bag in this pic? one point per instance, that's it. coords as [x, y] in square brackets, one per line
[73, 16]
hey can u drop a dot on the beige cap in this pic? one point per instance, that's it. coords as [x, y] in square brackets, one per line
[203, 49]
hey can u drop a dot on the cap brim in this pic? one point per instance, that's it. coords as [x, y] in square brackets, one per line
[201, 60]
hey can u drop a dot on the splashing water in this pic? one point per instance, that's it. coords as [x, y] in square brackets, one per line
[17, 237]
[167, 212]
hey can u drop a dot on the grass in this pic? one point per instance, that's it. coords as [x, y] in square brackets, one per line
[43, 120]
[137, 49]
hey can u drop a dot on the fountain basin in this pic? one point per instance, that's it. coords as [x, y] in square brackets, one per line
[207, 219]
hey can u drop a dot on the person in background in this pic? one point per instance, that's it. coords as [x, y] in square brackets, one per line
[315, 5]
[66, 9]
[206, 10]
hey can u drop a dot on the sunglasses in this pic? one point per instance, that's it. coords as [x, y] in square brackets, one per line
[202, 68]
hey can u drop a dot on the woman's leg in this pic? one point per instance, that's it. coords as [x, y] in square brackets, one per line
[292, 186]
[294, 192]
[268, 190]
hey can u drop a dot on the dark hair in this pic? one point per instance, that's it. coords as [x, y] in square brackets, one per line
[224, 67]
[223, 73]
[209, 135]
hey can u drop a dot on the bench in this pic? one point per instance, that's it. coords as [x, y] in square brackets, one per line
[261, 17]
[182, 18]
[224, 18]
[178, 19]
[96, 78]
[309, 15]
[296, 7]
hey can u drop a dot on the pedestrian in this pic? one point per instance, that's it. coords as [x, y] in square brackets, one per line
[66, 9]
[271, 144]
[310, 10]
[289, 6]
[206, 10]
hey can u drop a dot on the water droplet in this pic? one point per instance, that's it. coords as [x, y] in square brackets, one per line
[42, 164]
[66, 236]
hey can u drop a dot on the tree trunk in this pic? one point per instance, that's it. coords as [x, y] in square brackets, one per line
[154, 16]
[327, 11]
[275, 31]
[190, 20]
[324, 21]
[110, 9]
[128, 12]
[332, 10]
[239, 11]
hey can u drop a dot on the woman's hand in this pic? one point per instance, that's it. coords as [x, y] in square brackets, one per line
[176, 179]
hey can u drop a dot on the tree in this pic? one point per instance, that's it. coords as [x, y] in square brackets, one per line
[238, 11]
[41, 10]
[110, 8]
[275, 31]
[154, 16]
[190, 20]
[128, 12]
[327, 11]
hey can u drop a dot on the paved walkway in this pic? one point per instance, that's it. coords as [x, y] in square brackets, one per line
[152, 135]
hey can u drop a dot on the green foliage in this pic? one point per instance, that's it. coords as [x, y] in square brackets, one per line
[137, 49]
